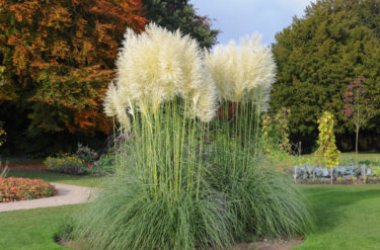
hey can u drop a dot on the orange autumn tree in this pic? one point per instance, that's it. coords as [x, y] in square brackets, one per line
[57, 58]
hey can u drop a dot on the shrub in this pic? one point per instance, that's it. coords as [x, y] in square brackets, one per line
[87, 154]
[79, 163]
[15, 189]
[68, 164]
[376, 171]
[282, 124]
[266, 133]
[327, 150]
[370, 163]
[105, 165]
[3, 136]
[275, 133]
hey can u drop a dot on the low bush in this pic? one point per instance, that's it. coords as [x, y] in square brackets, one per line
[373, 164]
[15, 189]
[79, 163]
[67, 164]
[3, 136]
[87, 154]
[105, 165]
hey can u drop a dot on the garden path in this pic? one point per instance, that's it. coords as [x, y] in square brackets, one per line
[67, 195]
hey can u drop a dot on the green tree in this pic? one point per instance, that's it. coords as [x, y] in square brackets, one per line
[180, 14]
[357, 106]
[266, 133]
[334, 43]
[282, 122]
[275, 131]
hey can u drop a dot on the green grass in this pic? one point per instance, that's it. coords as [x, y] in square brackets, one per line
[33, 229]
[350, 157]
[347, 217]
[90, 181]
[287, 163]
[22, 160]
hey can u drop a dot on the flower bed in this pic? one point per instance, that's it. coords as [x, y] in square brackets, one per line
[16, 189]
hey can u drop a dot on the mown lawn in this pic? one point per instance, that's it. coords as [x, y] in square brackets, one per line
[287, 163]
[33, 229]
[352, 157]
[348, 158]
[346, 217]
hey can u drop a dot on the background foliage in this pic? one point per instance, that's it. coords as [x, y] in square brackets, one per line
[57, 58]
[327, 151]
[335, 42]
[180, 14]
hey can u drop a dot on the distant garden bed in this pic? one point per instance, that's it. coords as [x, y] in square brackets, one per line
[16, 189]
[341, 180]
[365, 172]
[85, 161]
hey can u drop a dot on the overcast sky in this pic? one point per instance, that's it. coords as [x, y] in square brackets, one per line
[237, 18]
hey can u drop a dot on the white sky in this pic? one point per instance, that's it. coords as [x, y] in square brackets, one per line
[237, 18]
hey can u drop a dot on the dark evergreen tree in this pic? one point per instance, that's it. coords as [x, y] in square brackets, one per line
[180, 14]
[334, 43]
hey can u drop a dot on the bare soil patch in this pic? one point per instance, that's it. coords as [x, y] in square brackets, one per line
[261, 245]
[269, 245]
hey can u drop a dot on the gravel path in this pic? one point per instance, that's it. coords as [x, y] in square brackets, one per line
[67, 195]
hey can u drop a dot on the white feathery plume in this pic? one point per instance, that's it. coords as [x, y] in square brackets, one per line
[156, 66]
[110, 100]
[239, 71]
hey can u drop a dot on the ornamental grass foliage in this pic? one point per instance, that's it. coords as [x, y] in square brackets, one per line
[263, 201]
[187, 179]
[162, 96]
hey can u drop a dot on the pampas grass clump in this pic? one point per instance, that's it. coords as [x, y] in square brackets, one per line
[172, 190]
[159, 197]
[265, 203]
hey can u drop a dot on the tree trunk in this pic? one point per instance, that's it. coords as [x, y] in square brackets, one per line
[357, 139]
[363, 168]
